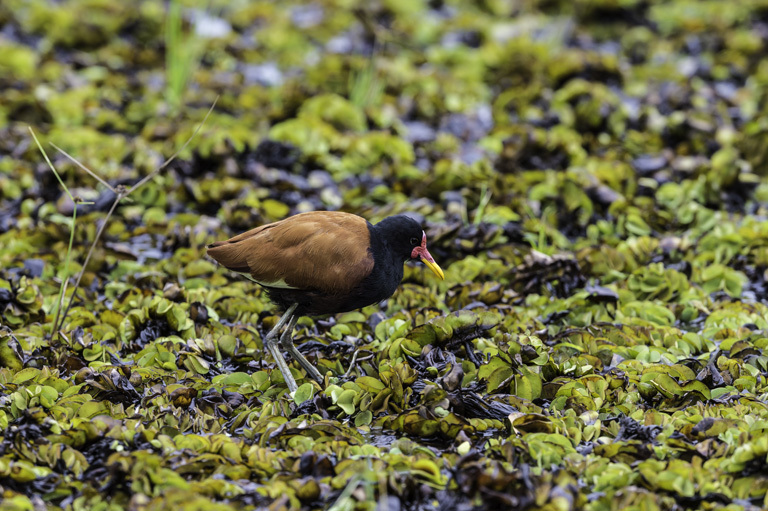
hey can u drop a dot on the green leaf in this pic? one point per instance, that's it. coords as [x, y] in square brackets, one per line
[26, 374]
[363, 418]
[90, 409]
[304, 393]
[346, 401]
[527, 385]
[237, 378]
[496, 372]
[370, 384]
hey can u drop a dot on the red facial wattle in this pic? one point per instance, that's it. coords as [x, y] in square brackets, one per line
[421, 252]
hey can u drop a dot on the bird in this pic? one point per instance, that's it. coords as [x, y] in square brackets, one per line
[320, 263]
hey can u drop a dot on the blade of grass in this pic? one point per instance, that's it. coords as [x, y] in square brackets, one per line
[89, 171]
[538, 239]
[45, 155]
[121, 193]
[485, 199]
[174, 155]
[67, 259]
[181, 55]
[342, 502]
[365, 88]
[174, 66]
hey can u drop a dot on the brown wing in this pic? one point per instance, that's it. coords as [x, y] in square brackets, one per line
[325, 251]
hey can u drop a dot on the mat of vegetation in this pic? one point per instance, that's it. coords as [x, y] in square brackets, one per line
[591, 176]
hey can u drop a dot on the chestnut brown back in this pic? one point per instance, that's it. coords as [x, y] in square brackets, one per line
[326, 251]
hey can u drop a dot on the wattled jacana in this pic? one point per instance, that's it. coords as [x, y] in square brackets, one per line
[323, 262]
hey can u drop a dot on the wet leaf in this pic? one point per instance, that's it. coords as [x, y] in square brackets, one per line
[303, 393]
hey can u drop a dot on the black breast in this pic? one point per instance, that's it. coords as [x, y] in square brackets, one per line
[380, 284]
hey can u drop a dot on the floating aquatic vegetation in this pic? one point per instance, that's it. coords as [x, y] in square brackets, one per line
[591, 176]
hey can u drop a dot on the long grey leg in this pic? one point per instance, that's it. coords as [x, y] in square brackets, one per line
[270, 343]
[286, 341]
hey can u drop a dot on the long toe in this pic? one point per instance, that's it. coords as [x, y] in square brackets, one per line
[274, 350]
[311, 370]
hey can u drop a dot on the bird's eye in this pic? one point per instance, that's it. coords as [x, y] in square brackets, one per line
[414, 241]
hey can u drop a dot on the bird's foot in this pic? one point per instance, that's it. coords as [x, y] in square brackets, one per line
[270, 343]
[282, 365]
[286, 341]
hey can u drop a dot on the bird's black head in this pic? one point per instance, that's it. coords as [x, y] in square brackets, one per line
[402, 234]
[407, 240]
